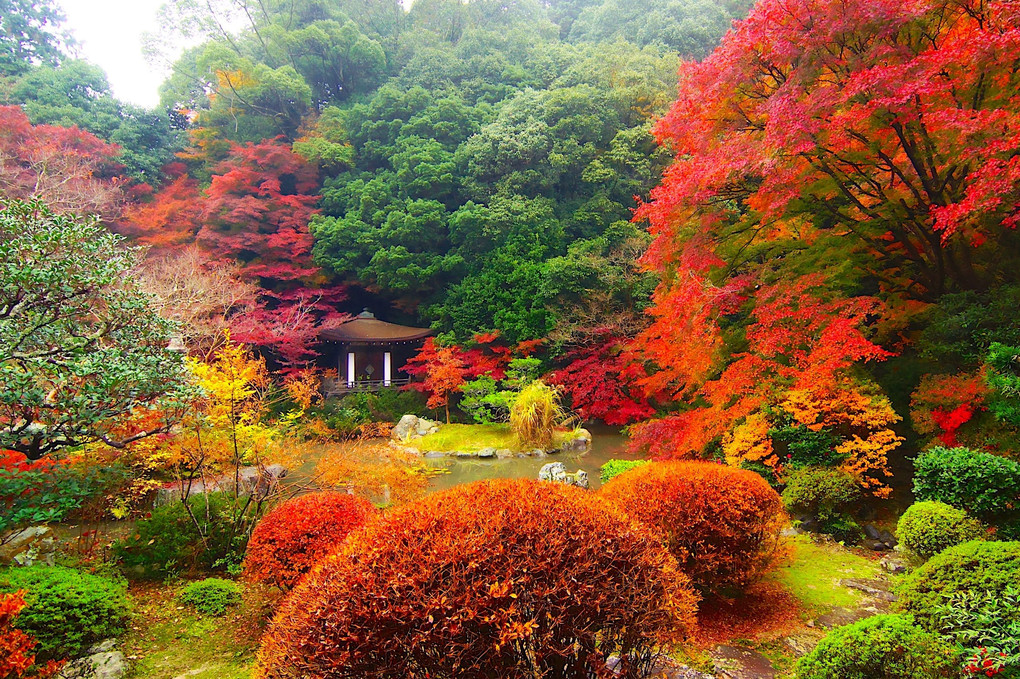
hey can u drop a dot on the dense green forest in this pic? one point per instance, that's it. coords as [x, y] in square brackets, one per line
[477, 163]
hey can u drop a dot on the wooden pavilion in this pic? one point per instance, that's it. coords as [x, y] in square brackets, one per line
[368, 353]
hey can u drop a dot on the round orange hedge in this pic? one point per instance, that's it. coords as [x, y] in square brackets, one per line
[722, 524]
[297, 534]
[504, 578]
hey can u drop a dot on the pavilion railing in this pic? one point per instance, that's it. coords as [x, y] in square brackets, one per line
[334, 387]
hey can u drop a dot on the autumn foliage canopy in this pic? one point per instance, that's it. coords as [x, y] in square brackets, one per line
[722, 524]
[297, 534]
[511, 579]
[838, 166]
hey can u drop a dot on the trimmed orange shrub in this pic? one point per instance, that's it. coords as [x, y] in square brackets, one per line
[515, 579]
[297, 534]
[722, 524]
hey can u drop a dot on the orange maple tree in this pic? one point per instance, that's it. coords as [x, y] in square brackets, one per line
[442, 369]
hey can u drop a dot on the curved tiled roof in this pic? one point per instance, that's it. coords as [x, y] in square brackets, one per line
[365, 328]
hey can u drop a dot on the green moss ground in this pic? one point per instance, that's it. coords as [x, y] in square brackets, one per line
[814, 570]
[474, 437]
[169, 640]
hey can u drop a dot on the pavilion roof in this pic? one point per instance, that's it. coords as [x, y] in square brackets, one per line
[365, 328]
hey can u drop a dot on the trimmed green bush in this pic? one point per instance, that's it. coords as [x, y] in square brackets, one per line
[975, 566]
[880, 647]
[616, 467]
[985, 485]
[67, 610]
[169, 543]
[827, 494]
[927, 528]
[212, 596]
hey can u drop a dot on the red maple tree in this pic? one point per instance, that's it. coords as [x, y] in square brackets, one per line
[602, 381]
[254, 214]
[67, 168]
[441, 369]
[893, 127]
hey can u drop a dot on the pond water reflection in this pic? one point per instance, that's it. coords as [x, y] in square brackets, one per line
[607, 443]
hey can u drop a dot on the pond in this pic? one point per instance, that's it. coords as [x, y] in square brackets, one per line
[607, 443]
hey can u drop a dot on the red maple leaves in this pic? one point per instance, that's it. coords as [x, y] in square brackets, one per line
[69, 169]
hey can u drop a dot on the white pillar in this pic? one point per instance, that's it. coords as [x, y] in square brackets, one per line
[387, 369]
[350, 369]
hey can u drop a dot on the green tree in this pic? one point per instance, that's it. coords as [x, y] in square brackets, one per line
[78, 93]
[30, 35]
[82, 353]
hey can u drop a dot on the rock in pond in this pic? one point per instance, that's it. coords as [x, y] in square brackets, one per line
[413, 427]
[581, 443]
[258, 480]
[557, 473]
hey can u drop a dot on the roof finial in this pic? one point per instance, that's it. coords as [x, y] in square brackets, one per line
[365, 313]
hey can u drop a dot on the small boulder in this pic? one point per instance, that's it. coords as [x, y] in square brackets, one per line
[412, 427]
[103, 662]
[425, 427]
[894, 563]
[31, 540]
[404, 427]
[487, 453]
[580, 443]
[557, 473]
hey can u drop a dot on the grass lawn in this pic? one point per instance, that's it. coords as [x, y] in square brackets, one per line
[474, 437]
[169, 640]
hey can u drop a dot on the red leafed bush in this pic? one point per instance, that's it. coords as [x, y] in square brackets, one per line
[15, 645]
[513, 579]
[722, 524]
[296, 535]
[16, 657]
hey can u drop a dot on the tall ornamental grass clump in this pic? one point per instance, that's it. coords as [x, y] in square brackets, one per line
[506, 578]
[535, 414]
[722, 524]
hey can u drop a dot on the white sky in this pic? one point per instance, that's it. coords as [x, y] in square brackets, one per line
[110, 36]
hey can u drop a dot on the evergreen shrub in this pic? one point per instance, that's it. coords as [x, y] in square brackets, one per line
[985, 485]
[880, 647]
[67, 610]
[212, 596]
[976, 566]
[827, 494]
[614, 468]
[168, 542]
[927, 528]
